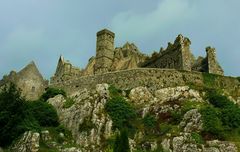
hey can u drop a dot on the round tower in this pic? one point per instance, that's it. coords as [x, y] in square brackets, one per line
[104, 51]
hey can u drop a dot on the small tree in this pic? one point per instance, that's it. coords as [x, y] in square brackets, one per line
[14, 118]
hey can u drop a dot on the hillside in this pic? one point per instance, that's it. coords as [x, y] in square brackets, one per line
[177, 119]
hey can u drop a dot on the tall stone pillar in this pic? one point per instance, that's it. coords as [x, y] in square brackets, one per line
[186, 57]
[213, 66]
[104, 51]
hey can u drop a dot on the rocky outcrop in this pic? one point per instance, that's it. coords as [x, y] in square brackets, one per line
[192, 121]
[85, 119]
[185, 142]
[178, 93]
[28, 143]
[140, 95]
[90, 125]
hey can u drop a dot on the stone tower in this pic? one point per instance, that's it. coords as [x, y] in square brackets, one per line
[104, 51]
[184, 47]
[213, 66]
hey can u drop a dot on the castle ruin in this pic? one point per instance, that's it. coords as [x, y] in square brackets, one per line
[126, 67]
[109, 58]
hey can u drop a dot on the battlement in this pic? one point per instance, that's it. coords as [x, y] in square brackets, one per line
[106, 31]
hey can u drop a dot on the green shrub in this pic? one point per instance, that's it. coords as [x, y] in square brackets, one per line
[14, 117]
[114, 91]
[211, 122]
[231, 117]
[229, 112]
[209, 79]
[121, 112]
[176, 116]
[149, 121]
[18, 115]
[164, 128]
[197, 137]
[69, 102]
[218, 100]
[121, 143]
[44, 113]
[52, 92]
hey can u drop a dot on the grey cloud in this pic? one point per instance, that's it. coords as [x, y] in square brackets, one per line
[42, 30]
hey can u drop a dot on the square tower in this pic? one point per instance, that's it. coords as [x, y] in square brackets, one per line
[104, 51]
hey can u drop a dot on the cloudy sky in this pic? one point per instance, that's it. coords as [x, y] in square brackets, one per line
[41, 30]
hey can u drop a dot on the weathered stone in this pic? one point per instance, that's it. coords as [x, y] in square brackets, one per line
[28, 143]
[223, 146]
[175, 56]
[102, 90]
[45, 136]
[72, 149]
[85, 118]
[192, 121]
[166, 145]
[28, 80]
[178, 93]
[213, 65]
[210, 149]
[140, 95]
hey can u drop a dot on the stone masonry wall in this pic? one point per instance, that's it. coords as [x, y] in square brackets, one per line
[150, 77]
[175, 56]
[104, 51]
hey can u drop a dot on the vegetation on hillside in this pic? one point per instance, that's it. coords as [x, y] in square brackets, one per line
[121, 142]
[52, 92]
[18, 115]
[221, 118]
[238, 79]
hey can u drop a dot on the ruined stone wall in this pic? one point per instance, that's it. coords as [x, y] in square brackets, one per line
[213, 65]
[29, 81]
[150, 77]
[175, 56]
[66, 69]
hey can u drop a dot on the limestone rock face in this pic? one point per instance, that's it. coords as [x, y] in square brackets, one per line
[140, 95]
[177, 93]
[28, 143]
[185, 142]
[85, 119]
[90, 125]
[192, 121]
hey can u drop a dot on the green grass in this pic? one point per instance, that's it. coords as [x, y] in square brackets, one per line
[197, 137]
[209, 79]
[69, 102]
[114, 92]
